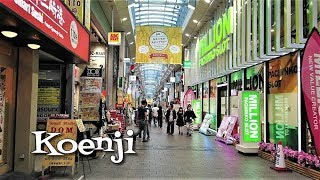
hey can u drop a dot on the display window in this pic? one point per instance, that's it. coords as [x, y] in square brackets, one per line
[205, 98]
[213, 103]
[283, 100]
[235, 87]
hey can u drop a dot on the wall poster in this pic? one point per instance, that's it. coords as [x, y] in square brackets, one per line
[90, 95]
[283, 100]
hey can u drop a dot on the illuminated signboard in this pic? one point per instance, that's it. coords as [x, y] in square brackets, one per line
[53, 19]
[216, 41]
[114, 38]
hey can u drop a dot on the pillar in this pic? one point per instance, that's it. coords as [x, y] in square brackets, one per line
[26, 116]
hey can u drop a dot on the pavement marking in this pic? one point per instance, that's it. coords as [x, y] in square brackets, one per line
[81, 177]
[102, 156]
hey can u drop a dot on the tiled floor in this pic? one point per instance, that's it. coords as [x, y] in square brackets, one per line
[182, 157]
[175, 157]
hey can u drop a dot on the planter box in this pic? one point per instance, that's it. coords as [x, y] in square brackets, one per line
[266, 156]
[293, 166]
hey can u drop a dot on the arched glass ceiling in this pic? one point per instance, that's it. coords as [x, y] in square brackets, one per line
[172, 13]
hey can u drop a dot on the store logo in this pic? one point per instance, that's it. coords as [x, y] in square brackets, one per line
[85, 147]
[93, 72]
[74, 34]
[159, 41]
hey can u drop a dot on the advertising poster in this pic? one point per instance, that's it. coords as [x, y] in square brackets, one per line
[68, 130]
[206, 97]
[197, 108]
[213, 103]
[159, 45]
[226, 127]
[76, 7]
[310, 76]
[114, 38]
[48, 96]
[2, 114]
[89, 98]
[251, 125]
[283, 100]
[188, 98]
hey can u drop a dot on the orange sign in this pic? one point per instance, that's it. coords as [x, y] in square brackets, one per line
[114, 38]
[68, 130]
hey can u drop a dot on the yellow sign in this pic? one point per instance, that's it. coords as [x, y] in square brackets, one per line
[120, 96]
[87, 19]
[159, 45]
[76, 6]
[49, 96]
[68, 130]
[114, 38]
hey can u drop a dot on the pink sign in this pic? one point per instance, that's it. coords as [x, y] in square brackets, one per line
[188, 97]
[310, 75]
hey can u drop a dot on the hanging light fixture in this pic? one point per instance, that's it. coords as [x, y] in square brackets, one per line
[9, 34]
[34, 46]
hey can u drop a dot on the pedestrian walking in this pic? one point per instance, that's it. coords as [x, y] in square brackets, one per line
[170, 117]
[160, 116]
[180, 121]
[155, 114]
[189, 116]
[142, 120]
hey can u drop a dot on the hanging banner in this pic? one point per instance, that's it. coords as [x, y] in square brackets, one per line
[197, 108]
[68, 130]
[188, 97]
[251, 124]
[159, 45]
[310, 85]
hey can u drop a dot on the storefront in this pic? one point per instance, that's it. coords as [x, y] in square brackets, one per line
[241, 52]
[35, 49]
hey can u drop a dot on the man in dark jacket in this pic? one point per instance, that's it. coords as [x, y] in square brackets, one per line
[170, 118]
[143, 119]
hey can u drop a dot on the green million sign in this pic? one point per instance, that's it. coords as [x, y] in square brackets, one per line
[251, 125]
[216, 41]
[197, 108]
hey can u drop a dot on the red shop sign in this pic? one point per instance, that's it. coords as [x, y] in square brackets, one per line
[310, 78]
[52, 18]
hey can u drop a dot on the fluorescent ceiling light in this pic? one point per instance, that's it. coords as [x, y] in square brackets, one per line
[272, 30]
[191, 7]
[207, 1]
[124, 19]
[131, 43]
[9, 34]
[195, 21]
[34, 46]
[128, 33]
[187, 35]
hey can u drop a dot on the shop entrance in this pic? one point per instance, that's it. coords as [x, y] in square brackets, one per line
[7, 107]
[222, 103]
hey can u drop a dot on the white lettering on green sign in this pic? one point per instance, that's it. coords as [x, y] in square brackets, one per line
[251, 116]
[216, 41]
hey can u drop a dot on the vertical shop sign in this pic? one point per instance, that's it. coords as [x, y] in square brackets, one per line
[76, 7]
[87, 12]
[90, 94]
[310, 76]
[197, 108]
[68, 130]
[251, 116]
